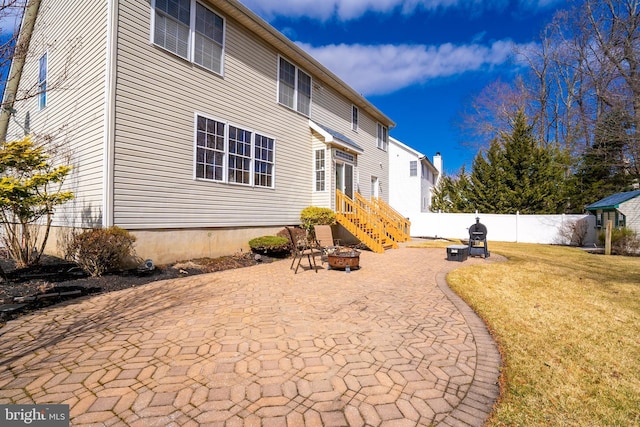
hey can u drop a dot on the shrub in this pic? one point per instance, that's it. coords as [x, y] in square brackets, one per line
[574, 232]
[100, 250]
[270, 245]
[314, 215]
[624, 241]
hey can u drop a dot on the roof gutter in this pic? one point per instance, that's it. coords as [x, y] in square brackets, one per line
[17, 65]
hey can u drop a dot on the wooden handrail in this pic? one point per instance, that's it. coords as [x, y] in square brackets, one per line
[360, 221]
[402, 224]
[392, 228]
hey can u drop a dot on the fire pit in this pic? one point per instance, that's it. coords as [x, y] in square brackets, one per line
[343, 258]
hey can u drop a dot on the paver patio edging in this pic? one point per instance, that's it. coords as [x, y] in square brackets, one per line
[484, 391]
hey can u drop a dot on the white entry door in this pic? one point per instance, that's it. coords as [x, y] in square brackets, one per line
[375, 186]
[344, 178]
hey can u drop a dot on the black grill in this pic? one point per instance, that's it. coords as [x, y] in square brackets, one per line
[478, 239]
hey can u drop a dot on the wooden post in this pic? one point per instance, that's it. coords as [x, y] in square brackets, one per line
[607, 238]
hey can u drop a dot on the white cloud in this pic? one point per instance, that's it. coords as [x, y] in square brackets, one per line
[382, 69]
[353, 9]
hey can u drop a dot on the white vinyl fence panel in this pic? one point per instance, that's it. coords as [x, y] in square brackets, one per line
[544, 229]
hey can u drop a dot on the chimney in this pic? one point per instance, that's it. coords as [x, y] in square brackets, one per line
[437, 163]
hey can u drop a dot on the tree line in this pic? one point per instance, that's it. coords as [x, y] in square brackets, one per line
[564, 133]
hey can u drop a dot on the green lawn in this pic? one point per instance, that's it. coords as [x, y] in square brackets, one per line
[568, 326]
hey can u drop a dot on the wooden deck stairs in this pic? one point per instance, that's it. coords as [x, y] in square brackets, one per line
[374, 223]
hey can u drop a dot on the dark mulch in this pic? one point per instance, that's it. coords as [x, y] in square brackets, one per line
[56, 280]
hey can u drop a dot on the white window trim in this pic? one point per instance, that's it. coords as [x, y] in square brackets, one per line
[316, 170]
[413, 168]
[295, 89]
[225, 161]
[382, 141]
[192, 32]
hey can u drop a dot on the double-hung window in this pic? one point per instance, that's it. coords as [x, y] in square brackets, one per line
[320, 170]
[413, 168]
[294, 87]
[383, 137]
[354, 117]
[42, 82]
[231, 154]
[190, 30]
[263, 161]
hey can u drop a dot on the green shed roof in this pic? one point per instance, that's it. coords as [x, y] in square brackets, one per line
[613, 201]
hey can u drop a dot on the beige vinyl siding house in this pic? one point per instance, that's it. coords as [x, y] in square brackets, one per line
[75, 100]
[194, 150]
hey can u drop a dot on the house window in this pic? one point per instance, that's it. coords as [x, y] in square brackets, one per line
[230, 154]
[294, 87]
[413, 168]
[181, 24]
[239, 155]
[354, 117]
[263, 161]
[320, 170]
[42, 82]
[208, 39]
[210, 149]
[383, 137]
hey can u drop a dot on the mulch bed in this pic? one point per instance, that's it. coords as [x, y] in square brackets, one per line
[56, 280]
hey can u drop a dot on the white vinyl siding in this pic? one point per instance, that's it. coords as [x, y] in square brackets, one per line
[294, 87]
[190, 30]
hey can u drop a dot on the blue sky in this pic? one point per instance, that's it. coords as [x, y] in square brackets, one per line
[418, 61]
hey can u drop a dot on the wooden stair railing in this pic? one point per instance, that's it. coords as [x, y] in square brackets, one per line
[362, 223]
[391, 228]
[400, 223]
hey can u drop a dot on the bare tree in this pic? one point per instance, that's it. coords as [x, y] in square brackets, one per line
[490, 112]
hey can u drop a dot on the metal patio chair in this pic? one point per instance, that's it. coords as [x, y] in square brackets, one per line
[325, 241]
[301, 248]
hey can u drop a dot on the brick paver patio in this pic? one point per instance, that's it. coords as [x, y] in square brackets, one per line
[386, 345]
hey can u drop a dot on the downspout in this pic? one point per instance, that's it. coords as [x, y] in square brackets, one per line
[17, 64]
[109, 114]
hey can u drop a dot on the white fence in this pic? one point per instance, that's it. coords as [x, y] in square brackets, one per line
[503, 228]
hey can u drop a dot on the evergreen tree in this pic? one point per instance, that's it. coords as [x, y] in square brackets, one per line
[604, 168]
[451, 193]
[487, 193]
[518, 174]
